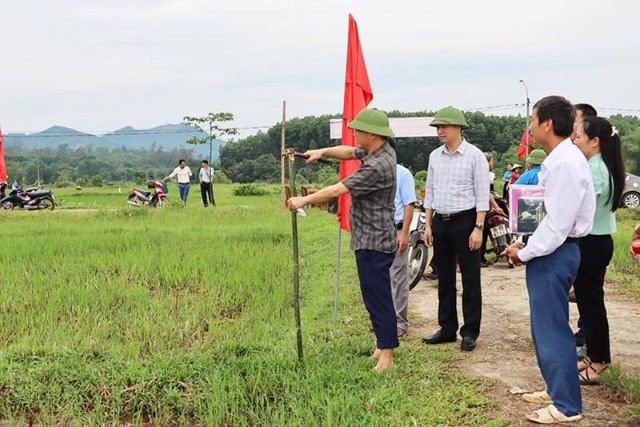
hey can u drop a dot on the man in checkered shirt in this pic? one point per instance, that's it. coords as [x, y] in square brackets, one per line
[373, 238]
[456, 202]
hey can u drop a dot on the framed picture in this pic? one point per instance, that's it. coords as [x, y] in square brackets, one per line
[527, 208]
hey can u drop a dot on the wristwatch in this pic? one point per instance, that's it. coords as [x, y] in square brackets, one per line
[479, 226]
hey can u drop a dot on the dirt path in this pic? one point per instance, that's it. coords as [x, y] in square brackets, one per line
[505, 353]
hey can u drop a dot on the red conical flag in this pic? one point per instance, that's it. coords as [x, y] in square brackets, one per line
[525, 142]
[3, 168]
[357, 95]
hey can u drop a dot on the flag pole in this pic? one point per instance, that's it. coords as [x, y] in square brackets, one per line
[336, 287]
[526, 152]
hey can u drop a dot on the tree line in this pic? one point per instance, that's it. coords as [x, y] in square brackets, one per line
[257, 157]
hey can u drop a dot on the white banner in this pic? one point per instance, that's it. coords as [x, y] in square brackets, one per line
[403, 127]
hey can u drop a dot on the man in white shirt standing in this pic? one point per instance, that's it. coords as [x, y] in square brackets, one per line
[183, 172]
[205, 176]
[552, 256]
[456, 202]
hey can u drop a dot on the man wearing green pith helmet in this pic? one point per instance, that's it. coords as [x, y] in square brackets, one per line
[456, 202]
[372, 188]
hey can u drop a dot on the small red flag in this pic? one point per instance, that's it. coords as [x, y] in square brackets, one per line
[357, 95]
[525, 142]
[3, 168]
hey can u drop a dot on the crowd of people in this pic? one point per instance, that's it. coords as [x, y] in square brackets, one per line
[580, 166]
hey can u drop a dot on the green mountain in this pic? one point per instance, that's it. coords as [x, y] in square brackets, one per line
[166, 137]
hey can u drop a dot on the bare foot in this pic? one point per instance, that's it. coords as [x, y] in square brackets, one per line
[376, 354]
[385, 361]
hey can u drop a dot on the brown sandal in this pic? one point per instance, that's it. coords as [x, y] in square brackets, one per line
[594, 378]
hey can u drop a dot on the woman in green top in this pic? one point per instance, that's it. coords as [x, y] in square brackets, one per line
[601, 145]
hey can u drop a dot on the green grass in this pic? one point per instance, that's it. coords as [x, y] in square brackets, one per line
[185, 316]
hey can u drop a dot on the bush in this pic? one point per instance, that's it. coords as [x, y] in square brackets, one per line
[249, 190]
[64, 184]
[219, 177]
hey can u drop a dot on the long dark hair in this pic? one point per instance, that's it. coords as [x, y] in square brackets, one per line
[611, 152]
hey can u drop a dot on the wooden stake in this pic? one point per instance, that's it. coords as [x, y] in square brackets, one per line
[296, 262]
[282, 140]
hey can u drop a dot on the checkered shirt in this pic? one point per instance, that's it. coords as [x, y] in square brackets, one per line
[373, 189]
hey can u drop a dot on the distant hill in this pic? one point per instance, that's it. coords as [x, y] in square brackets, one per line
[166, 136]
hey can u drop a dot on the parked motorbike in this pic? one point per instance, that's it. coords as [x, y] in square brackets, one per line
[156, 198]
[31, 199]
[497, 225]
[418, 252]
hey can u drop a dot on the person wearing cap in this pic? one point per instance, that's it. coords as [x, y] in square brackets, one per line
[372, 188]
[552, 256]
[535, 159]
[456, 202]
[515, 173]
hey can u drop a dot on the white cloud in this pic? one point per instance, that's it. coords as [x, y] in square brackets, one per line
[96, 65]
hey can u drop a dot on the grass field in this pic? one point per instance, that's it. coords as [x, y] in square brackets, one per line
[184, 316]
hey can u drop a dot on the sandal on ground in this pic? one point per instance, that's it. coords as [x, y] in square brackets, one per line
[538, 397]
[551, 415]
[584, 364]
[591, 379]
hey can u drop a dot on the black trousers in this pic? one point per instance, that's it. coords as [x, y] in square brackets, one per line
[206, 190]
[451, 243]
[595, 254]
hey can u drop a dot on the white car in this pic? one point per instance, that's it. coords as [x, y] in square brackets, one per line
[631, 192]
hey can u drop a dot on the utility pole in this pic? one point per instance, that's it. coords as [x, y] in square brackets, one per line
[526, 153]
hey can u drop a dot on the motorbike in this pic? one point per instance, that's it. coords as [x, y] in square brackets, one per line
[418, 252]
[156, 198]
[497, 225]
[31, 199]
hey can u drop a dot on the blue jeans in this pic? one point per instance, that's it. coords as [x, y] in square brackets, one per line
[184, 192]
[375, 285]
[548, 281]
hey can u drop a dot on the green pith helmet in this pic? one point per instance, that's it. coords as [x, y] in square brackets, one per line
[449, 116]
[537, 156]
[372, 121]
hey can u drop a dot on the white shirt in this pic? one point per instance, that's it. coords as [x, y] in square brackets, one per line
[569, 200]
[183, 174]
[206, 174]
[458, 181]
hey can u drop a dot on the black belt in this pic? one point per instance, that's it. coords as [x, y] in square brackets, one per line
[447, 217]
[184, 183]
[399, 225]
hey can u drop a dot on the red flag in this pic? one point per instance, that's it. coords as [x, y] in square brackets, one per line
[357, 95]
[3, 168]
[525, 142]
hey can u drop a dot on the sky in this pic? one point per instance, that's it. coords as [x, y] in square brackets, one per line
[98, 66]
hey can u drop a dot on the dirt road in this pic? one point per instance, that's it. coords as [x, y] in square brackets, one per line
[505, 353]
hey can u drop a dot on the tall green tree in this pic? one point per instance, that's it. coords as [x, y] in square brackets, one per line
[212, 124]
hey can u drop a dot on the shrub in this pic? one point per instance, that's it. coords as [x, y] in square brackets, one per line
[219, 177]
[249, 190]
[64, 184]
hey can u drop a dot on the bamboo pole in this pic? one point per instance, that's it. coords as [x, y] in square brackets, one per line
[282, 140]
[296, 262]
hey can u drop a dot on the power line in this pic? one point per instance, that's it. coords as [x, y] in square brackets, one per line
[496, 107]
